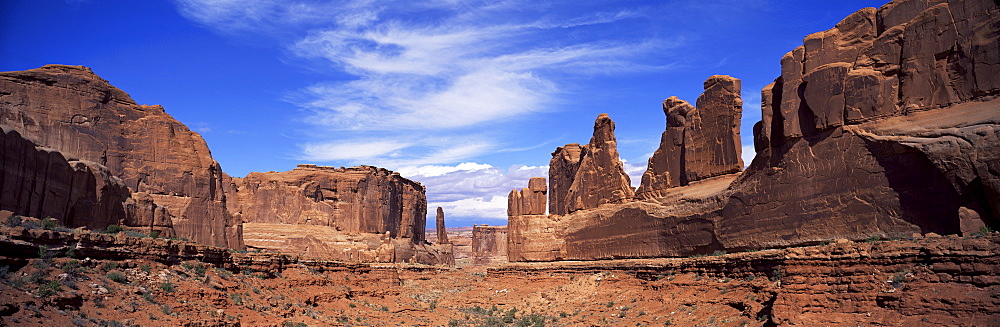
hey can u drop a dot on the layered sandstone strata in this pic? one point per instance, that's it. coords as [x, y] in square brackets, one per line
[358, 213]
[71, 110]
[699, 142]
[886, 125]
[489, 244]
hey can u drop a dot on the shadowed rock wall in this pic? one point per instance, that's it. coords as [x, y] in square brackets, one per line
[886, 125]
[73, 111]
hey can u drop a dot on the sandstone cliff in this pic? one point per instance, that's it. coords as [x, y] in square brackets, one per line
[886, 125]
[177, 186]
[358, 213]
[489, 244]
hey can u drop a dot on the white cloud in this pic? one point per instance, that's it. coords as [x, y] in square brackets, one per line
[471, 190]
[433, 68]
[748, 153]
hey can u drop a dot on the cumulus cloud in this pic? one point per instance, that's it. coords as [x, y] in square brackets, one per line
[471, 191]
[748, 154]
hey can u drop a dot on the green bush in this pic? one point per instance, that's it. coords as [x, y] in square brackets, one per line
[117, 277]
[49, 223]
[49, 289]
[14, 221]
[113, 229]
[167, 287]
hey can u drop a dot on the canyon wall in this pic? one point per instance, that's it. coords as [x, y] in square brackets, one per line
[358, 213]
[489, 244]
[886, 125]
[175, 185]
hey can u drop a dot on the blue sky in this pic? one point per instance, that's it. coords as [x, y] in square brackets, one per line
[467, 97]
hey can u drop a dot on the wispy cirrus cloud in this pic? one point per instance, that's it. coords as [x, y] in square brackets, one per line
[426, 88]
[409, 73]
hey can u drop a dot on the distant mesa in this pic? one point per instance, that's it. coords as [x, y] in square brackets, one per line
[883, 126]
[363, 213]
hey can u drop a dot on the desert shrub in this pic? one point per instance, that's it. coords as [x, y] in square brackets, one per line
[49, 289]
[236, 298]
[776, 274]
[44, 253]
[49, 223]
[167, 287]
[718, 253]
[113, 229]
[154, 234]
[109, 266]
[117, 277]
[13, 221]
[196, 268]
[72, 267]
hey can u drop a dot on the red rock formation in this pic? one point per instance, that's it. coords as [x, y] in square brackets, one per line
[40, 182]
[598, 179]
[489, 244]
[361, 199]
[847, 145]
[562, 171]
[528, 201]
[341, 213]
[700, 142]
[75, 112]
[884, 126]
[442, 232]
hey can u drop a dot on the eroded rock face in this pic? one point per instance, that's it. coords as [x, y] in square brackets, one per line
[361, 199]
[528, 201]
[40, 182]
[699, 142]
[442, 232]
[887, 125]
[358, 213]
[489, 244]
[75, 112]
[562, 171]
[853, 140]
[601, 178]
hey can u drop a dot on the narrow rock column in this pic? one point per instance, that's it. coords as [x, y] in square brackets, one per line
[441, 231]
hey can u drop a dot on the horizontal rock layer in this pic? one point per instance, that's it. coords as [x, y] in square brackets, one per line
[361, 213]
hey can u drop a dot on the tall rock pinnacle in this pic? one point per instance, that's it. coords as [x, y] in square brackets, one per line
[441, 231]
